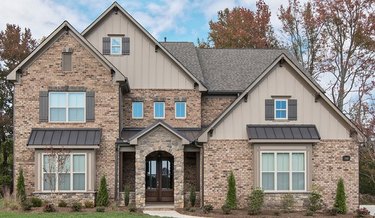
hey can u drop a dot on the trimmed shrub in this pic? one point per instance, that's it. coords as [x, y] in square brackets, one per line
[362, 212]
[126, 195]
[314, 202]
[256, 200]
[207, 208]
[100, 209]
[231, 200]
[89, 204]
[49, 208]
[193, 196]
[36, 202]
[76, 207]
[340, 200]
[62, 203]
[26, 205]
[287, 203]
[21, 193]
[309, 213]
[102, 198]
[226, 209]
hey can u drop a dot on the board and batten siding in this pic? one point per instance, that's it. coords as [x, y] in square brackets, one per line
[282, 81]
[145, 68]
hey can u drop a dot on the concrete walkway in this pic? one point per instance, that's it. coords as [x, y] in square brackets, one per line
[371, 208]
[167, 213]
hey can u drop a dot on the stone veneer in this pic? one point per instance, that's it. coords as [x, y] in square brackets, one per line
[69, 198]
[149, 96]
[159, 139]
[45, 71]
[213, 106]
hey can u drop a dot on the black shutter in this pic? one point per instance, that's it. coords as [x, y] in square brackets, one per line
[90, 106]
[292, 109]
[125, 45]
[106, 45]
[269, 109]
[43, 106]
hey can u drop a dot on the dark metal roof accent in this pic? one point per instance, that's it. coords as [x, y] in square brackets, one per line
[288, 131]
[66, 137]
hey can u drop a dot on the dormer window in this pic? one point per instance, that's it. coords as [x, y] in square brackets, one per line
[281, 109]
[115, 45]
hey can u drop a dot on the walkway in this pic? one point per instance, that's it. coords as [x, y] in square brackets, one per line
[167, 213]
[371, 208]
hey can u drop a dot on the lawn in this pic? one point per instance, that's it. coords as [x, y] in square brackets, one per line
[11, 214]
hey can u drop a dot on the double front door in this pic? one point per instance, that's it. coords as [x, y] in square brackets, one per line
[159, 177]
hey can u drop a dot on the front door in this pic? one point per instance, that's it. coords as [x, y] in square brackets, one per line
[159, 177]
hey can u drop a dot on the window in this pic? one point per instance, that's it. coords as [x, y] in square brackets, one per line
[115, 45]
[283, 171]
[69, 170]
[67, 106]
[281, 109]
[159, 112]
[137, 110]
[180, 110]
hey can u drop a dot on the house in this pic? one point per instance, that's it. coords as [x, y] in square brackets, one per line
[161, 118]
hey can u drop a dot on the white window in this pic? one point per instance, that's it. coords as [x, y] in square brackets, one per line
[137, 110]
[281, 109]
[69, 170]
[283, 171]
[116, 45]
[67, 106]
[180, 110]
[159, 110]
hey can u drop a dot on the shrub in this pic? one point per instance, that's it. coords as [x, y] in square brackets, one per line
[231, 200]
[207, 208]
[309, 213]
[49, 208]
[126, 195]
[193, 196]
[62, 203]
[287, 203]
[340, 200]
[26, 205]
[21, 193]
[102, 198]
[256, 200]
[192, 209]
[89, 204]
[132, 208]
[100, 209]
[331, 211]
[226, 209]
[315, 201]
[362, 212]
[276, 213]
[36, 202]
[76, 207]
[10, 203]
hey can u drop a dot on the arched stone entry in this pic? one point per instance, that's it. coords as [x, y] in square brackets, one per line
[159, 177]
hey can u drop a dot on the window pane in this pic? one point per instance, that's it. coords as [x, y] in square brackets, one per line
[78, 181]
[180, 109]
[76, 99]
[282, 181]
[298, 181]
[49, 163]
[57, 114]
[64, 181]
[280, 114]
[298, 162]
[78, 163]
[64, 163]
[137, 109]
[116, 45]
[282, 162]
[116, 41]
[57, 99]
[76, 114]
[268, 181]
[49, 181]
[159, 109]
[268, 162]
[280, 104]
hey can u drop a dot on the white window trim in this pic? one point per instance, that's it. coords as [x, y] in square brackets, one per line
[290, 171]
[175, 109]
[133, 110]
[120, 53]
[286, 109]
[67, 107]
[163, 117]
[71, 174]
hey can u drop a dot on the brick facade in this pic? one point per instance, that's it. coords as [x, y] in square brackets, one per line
[44, 72]
[213, 106]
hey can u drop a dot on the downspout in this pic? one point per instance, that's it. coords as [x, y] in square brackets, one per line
[117, 153]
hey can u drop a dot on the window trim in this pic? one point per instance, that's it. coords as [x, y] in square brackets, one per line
[57, 174]
[67, 107]
[286, 109]
[111, 45]
[175, 109]
[290, 152]
[137, 118]
[163, 117]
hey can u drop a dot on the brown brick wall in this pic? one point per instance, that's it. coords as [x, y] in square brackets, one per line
[193, 107]
[213, 106]
[128, 171]
[45, 72]
[190, 171]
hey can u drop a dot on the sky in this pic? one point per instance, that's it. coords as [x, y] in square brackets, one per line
[178, 20]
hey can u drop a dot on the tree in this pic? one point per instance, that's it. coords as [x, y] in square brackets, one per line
[340, 200]
[231, 200]
[21, 192]
[302, 28]
[102, 198]
[243, 28]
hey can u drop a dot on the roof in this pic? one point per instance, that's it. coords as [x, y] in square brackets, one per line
[65, 137]
[282, 132]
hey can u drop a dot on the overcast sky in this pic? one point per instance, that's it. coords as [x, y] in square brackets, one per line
[178, 20]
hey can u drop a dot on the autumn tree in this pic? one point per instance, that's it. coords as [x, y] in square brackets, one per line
[243, 28]
[15, 45]
[302, 28]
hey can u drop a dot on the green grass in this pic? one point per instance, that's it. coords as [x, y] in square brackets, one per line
[10, 214]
